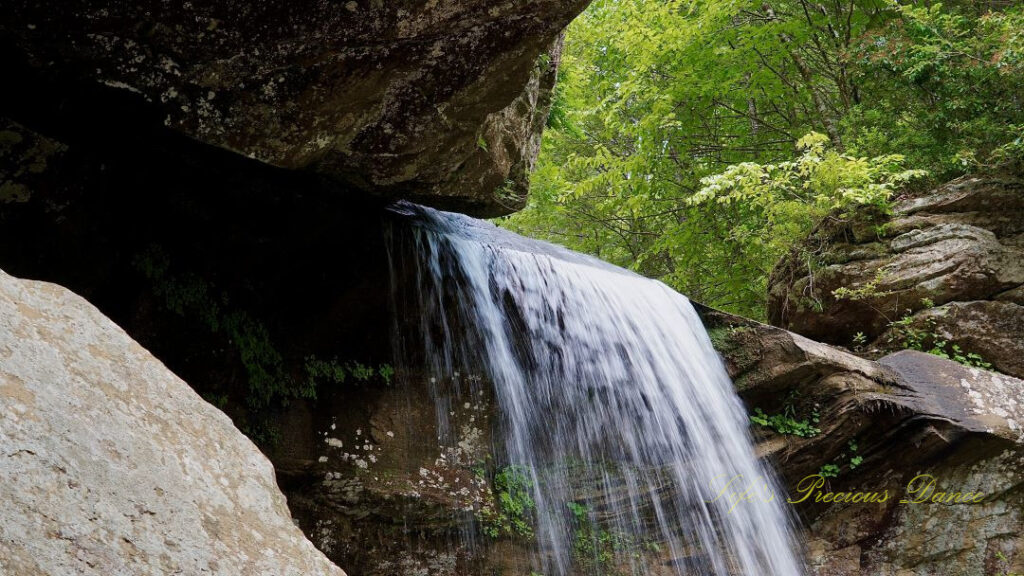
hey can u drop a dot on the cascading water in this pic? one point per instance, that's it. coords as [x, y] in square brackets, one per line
[613, 401]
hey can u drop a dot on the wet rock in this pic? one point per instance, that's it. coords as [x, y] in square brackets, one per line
[228, 271]
[440, 102]
[961, 245]
[878, 427]
[113, 465]
[378, 484]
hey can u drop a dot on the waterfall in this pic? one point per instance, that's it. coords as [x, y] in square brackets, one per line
[614, 405]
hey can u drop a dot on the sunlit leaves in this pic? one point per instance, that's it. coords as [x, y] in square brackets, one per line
[785, 200]
[673, 145]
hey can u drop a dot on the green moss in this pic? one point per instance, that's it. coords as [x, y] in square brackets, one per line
[727, 339]
[721, 338]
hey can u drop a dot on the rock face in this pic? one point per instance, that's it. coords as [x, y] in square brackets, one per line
[945, 269]
[879, 426]
[439, 102]
[379, 486]
[112, 465]
[229, 271]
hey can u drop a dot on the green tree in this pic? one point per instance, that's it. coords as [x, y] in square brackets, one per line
[947, 86]
[654, 97]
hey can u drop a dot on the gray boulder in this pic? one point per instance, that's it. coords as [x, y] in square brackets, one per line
[111, 465]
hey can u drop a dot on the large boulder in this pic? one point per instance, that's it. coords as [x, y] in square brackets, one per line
[875, 426]
[439, 102]
[945, 269]
[113, 465]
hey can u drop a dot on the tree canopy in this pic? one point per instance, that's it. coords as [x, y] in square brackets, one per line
[695, 141]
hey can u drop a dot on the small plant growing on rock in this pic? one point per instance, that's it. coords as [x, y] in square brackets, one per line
[595, 548]
[859, 341]
[786, 423]
[271, 383]
[926, 339]
[853, 460]
[829, 471]
[1003, 559]
[511, 512]
[867, 291]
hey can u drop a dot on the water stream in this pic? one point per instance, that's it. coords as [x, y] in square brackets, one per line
[614, 405]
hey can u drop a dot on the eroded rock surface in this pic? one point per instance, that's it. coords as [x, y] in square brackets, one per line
[378, 484]
[880, 425]
[113, 465]
[948, 267]
[441, 102]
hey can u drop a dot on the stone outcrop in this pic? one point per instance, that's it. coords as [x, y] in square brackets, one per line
[113, 465]
[992, 329]
[880, 425]
[227, 273]
[438, 102]
[947, 267]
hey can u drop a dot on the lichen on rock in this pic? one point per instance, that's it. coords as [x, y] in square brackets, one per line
[439, 102]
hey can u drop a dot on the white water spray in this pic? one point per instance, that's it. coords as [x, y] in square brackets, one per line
[611, 396]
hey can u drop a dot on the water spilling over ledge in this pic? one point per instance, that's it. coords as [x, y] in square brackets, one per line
[615, 409]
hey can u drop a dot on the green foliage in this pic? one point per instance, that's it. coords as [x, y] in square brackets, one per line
[190, 296]
[909, 334]
[828, 471]
[855, 460]
[866, 292]
[782, 202]
[512, 512]
[859, 340]
[670, 146]
[786, 422]
[269, 381]
[593, 547]
[946, 85]
[820, 178]
[334, 372]
[598, 550]
[850, 457]
[1006, 562]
